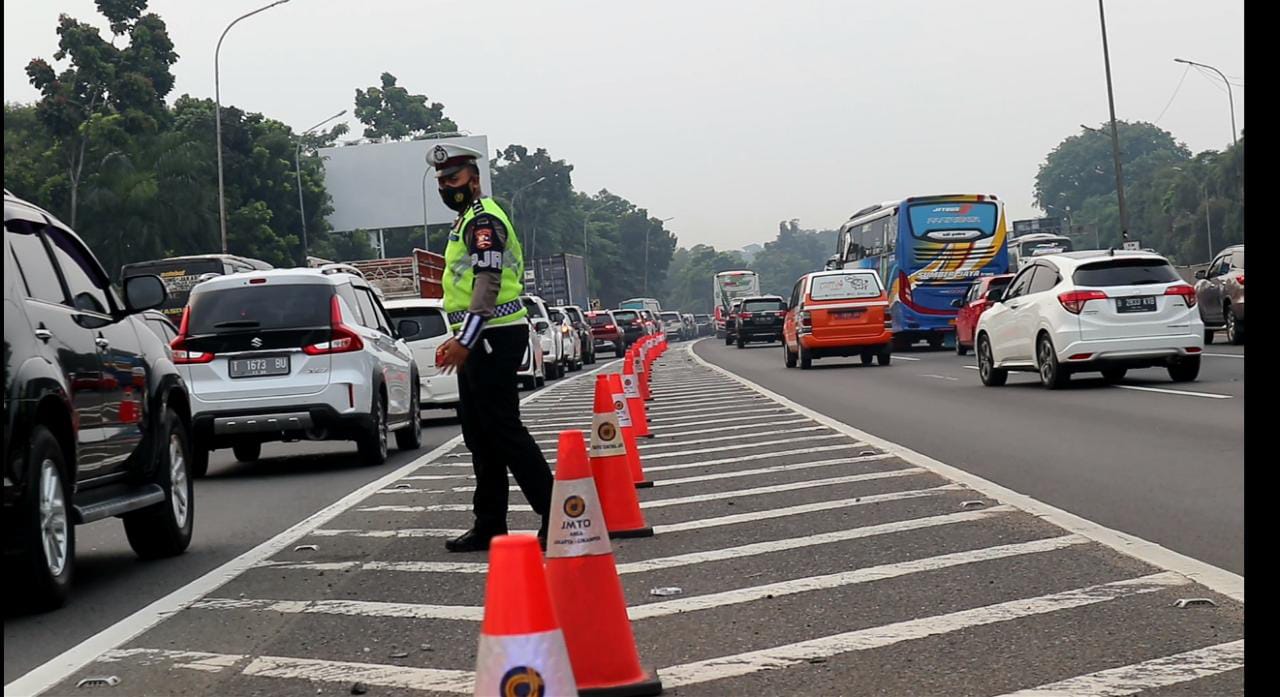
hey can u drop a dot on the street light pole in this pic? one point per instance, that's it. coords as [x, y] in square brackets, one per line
[1115, 131]
[1231, 102]
[534, 238]
[217, 118]
[297, 168]
[586, 252]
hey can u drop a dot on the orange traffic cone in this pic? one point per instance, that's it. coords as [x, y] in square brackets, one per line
[584, 584]
[637, 366]
[628, 432]
[613, 477]
[522, 651]
[631, 390]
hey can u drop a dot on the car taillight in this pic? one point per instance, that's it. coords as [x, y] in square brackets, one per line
[806, 319]
[1074, 301]
[745, 315]
[1187, 292]
[564, 330]
[343, 339]
[904, 289]
[1240, 279]
[181, 354]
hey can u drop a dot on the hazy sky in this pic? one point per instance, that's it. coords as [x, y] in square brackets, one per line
[729, 116]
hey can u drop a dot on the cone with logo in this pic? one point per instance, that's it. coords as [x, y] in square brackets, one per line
[631, 390]
[642, 368]
[637, 366]
[613, 478]
[522, 650]
[584, 584]
[623, 410]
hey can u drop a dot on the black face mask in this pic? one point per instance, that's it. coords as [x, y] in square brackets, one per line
[456, 197]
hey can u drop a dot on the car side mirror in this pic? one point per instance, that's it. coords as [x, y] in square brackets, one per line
[541, 325]
[957, 303]
[144, 293]
[994, 295]
[1202, 274]
[408, 328]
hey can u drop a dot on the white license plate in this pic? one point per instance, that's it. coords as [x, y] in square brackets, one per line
[258, 367]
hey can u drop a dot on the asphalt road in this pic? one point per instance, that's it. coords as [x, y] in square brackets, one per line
[1166, 467]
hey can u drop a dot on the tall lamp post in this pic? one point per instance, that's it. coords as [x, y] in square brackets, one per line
[1115, 131]
[297, 168]
[586, 252]
[1231, 101]
[217, 117]
[533, 240]
[1204, 201]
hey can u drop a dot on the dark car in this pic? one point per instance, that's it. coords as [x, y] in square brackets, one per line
[96, 415]
[580, 325]
[606, 335]
[632, 325]
[1220, 294]
[972, 305]
[760, 318]
[731, 322]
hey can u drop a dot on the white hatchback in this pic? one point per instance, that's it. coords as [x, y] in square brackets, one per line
[1104, 311]
[438, 390]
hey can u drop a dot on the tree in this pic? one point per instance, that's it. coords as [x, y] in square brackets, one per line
[107, 93]
[391, 112]
[544, 212]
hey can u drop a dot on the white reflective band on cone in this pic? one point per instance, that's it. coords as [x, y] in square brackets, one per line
[577, 527]
[622, 410]
[637, 363]
[629, 386]
[606, 436]
[529, 664]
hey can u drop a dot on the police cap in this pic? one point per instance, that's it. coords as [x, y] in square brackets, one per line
[448, 158]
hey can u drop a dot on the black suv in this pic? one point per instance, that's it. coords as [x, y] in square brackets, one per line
[759, 319]
[95, 414]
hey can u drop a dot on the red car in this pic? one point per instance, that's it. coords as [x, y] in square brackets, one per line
[606, 332]
[972, 305]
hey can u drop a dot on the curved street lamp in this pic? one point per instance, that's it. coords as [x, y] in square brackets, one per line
[297, 168]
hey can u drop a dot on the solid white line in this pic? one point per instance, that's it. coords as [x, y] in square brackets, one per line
[938, 377]
[1224, 355]
[403, 533]
[1181, 393]
[666, 430]
[1220, 580]
[753, 412]
[351, 608]
[749, 458]
[661, 439]
[898, 357]
[655, 444]
[849, 578]
[722, 448]
[1148, 675]
[890, 634]
[803, 508]
[63, 665]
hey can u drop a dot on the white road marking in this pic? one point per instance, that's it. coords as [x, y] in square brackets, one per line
[656, 444]
[1224, 355]
[743, 427]
[1148, 675]
[749, 458]
[939, 377]
[1180, 393]
[919, 628]
[743, 446]
[1217, 579]
[899, 357]
[352, 608]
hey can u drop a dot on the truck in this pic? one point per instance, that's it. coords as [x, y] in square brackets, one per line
[560, 279]
[416, 276]
[728, 286]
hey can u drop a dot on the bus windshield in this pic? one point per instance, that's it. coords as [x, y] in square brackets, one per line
[953, 221]
[179, 276]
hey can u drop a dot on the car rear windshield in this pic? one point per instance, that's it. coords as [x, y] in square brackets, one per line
[600, 320]
[556, 316]
[1125, 272]
[763, 306]
[260, 307]
[532, 308]
[626, 316]
[430, 322]
[673, 316]
[844, 286]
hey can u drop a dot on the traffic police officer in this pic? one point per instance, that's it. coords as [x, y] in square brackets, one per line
[483, 281]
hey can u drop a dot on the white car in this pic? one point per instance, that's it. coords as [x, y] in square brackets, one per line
[437, 390]
[1104, 311]
[293, 354]
[549, 337]
[532, 372]
[672, 325]
[570, 340]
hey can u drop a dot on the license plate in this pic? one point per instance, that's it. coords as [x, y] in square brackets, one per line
[1146, 303]
[847, 314]
[259, 367]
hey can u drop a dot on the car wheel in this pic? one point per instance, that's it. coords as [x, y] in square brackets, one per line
[788, 358]
[410, 437]
[901, 343]
[373, 444]
[1208, 337]
[806, 358]
[987, 370]
[619, 352]
[935, 342]
[164, 529]
[247, 451]
[49, 537]
[526, 383]
[1235, 326]
[961, 349]
[885, 356]
[1184, 369]
[742, 343]
[867, 358]
[1052, 374]
[1114, 374]
[728, 340]
[199, 463]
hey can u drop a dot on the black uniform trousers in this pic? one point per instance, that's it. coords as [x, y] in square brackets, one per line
[489, 409]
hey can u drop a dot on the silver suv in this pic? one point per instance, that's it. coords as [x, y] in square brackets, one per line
[294, 354]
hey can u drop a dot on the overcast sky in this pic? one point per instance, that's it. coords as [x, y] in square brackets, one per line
[729, 116]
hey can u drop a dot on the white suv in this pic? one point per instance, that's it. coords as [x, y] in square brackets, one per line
[553, 354]
[436, 389]
[570, 342]
[1102, 311]
[290, 354]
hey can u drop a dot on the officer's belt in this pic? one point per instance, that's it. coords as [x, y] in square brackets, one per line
[500, 311]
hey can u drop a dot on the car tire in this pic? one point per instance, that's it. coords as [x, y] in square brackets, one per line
[935, 342]
[527, 383]
[806, 358]
[46, 580]
[867, 358]
[1114, 374]
[373, 444]
[199, 466]
[1208, 336]
[788, 358]
[961, 349]
[619, 352]
[247, 451]
[901, 343]
[885, 356]
[410, 437]
[728, 340]
[742, 343]
[1185, 369]
[164, 529]
[1235, 326]
[540, 380]
[1052, 374]
[991, 375]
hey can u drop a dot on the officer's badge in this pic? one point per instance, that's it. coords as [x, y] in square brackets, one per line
[439, 154]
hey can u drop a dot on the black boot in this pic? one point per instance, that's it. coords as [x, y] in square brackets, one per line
[473, 540]
[542, 533]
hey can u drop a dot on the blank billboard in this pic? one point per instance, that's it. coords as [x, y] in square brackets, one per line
[380, 185]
